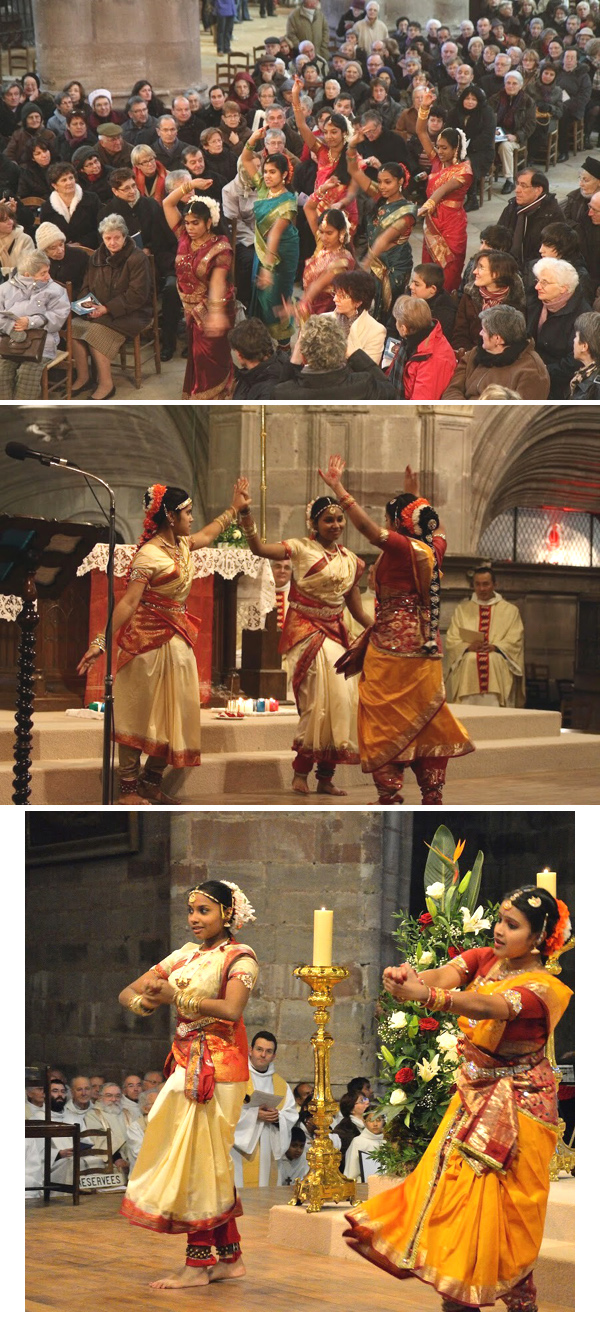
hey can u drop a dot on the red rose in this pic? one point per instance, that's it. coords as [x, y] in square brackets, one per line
[404, 1075]
[425, 919]
[452, 952]
[428, 1024]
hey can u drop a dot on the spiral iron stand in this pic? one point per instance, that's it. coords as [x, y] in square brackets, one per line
[28, 621]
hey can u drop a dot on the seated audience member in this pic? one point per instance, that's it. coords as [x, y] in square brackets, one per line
[587, 230]
[31, 125]
[531, 209]
[304, 1090]
[131, 1092]
[496, 281]
[506, 356]
[382, 146]
[77, 134]
[427, 282]
[351, 1124]
[34, 1102]
[68, 263]
[80, 1102]
[70, 208]
[30, 300]
[552, 320]
[585, 384]
[152, 1081]
[139, 129]
[319, 369]
[113, 150]
[501, 682]
[14, 242]
[219, 159]
[167, 146]
[294, 1163]
[259, 364]
[188, 128]
[367, 1143]
[575, 204]
[101, 109]
[562, 241]
[233, 128]
[118, 277]
[574, 79]
[92, 175]
[494, 238]
[353, 294]
[33, 178]
[475, 117]
[57, 123]
[126, 1133]
[147, 1099]
[148, 172]
[515, 115]
[194, 162]
[425, 362]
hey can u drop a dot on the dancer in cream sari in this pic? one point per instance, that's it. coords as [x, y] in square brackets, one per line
[325, 578]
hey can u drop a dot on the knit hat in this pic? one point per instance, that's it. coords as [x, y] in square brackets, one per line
[591, 165]
[100, 91]
[46, 234]
[82, 154]
[109, 130]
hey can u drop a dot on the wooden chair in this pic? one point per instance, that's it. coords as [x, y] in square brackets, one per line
[141, 341]
[35, 204]
[62, 362]
[225, 69]
[46, 1129]
[19, 58]
[486, 182]
[566, 688]
[258, 52]
[578, 135]
[519, 160]
[552, 149]
[537, 679]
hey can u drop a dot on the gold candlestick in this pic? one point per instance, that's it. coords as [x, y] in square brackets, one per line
[563, 1158]
[263, 473]
[323, 1182]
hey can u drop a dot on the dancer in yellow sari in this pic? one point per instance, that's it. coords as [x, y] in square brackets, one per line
[469, 1219]
[157, 697]
[183, 1180]
[325, 579]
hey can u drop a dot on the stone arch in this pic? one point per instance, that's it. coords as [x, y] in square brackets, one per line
[534, 455]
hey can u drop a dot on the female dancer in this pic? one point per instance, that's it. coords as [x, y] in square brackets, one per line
[157, 702]
[325, 579]
[389, 256]
[203, 268]
[486, 1171]
[403, 718]
[331, 257]
[275, 239]
[183, 1177]
[333, 185]
[445, 236]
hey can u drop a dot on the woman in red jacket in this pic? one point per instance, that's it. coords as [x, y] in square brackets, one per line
[425, 362]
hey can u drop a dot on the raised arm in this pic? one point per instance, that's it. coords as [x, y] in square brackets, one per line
[263, 549]
[249, 151]
[359, 177]
[171, 203]
[305, 132]
[333, 478]
[206, 535]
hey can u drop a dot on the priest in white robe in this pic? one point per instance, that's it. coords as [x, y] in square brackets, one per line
[262, 1135]
[485, 648]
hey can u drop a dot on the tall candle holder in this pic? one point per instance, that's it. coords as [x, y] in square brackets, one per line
[563, 1158]
[323, 1182]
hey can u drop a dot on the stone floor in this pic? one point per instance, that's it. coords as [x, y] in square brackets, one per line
[246, 37]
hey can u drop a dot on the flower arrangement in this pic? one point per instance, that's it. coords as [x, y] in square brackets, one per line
[233, 535]
[418, 1052]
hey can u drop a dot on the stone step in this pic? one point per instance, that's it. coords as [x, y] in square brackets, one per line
[57, 736]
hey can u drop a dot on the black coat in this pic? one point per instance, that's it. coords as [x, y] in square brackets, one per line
[588, 389]
[554, 341]
[33, 181]
[546, 212]
[71, 269]
[575, 207]
[258, 383]
[388, 147]
[147, 218]
[170, 162]
[83, 225]
[355, 380]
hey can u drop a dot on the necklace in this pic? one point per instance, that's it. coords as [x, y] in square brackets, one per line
[172, 549]
[275, 192]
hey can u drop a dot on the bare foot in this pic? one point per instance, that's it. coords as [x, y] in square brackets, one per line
[300, 785]
[233, 1269]
[133, 799]
[326, 786]
[187, 1277]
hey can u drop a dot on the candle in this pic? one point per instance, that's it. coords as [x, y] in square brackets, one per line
[547, 880]
[322, 938]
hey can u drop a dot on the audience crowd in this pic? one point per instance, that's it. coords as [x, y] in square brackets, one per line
[273, 215]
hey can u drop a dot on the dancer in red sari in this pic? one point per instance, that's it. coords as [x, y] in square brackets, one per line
[203, 267]
[445, 220]
[333, 185]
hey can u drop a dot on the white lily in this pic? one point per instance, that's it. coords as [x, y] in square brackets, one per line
[475, 921]
[398, 1097]
[426, 959]
[428, 1068]
[436, 891]
[398, 1019]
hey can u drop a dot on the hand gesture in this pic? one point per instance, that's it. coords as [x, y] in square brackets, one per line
[399, 975]
[334, 472]
[357, 136]
[411, 481]
[297, 88]
[241, 495]
[264, 279]
[92, 654]
[429, 97]
[202, 184]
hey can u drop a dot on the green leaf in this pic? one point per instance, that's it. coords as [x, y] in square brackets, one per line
[431, 908]
[388, 1056]
[436, 869]
[407, 1120]
[464, 882]
[472, 893]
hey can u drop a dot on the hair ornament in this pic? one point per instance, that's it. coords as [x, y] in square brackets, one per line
[308, 519]
[462, 144]
[409, 516]
[152, 501]
[562, 931]
[212, 207]
[535, 901]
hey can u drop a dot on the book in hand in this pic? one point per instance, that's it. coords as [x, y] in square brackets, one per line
[83, 306]
[468, 635]
[390, 352]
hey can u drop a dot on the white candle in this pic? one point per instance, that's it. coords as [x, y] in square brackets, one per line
[547, 880]
[322, 938]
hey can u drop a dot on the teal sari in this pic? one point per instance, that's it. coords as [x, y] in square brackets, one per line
[391, 268]
[283, 266]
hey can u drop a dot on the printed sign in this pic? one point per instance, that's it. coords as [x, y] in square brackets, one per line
[102, 1182]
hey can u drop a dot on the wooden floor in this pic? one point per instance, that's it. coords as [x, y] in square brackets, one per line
[87, 1258]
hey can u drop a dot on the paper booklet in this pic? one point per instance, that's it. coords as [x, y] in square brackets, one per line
[467, 635]
[263, 1100]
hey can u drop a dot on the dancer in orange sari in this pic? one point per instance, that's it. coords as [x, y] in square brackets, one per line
[157, 696]
[445, 219]
[469, 1219]
[403, 718]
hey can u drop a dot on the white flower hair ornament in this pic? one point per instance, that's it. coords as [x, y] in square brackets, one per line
[463, 143]
[243, 912]
[215, 209]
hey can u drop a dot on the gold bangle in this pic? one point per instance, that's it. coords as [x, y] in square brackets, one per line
[135, 1005]
[346, 501]
[423, 113]
[252, 530]
[99, 641]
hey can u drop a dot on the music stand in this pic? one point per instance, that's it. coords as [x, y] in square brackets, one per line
[38, 559]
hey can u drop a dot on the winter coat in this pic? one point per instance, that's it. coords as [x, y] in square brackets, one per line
[554, 341]
[548, 101]
[82, 226]
[467, 326]
[574, 206]
[258, 383]
[121, 282]
[526, 374]
[524, 116]
[578, 86]
[146, 217]
[300, 28]
[18, 146]
[119, 160]
[46, 305]
[33, 181]
[480, 128]
[358, 379]
[587, 389]
[428, 366]
[536, 217]
[13, 246]
[67, 145]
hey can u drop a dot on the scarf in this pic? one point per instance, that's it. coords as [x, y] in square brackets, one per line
[553, 305]
[492, 299]
[504, 359]
[582, 374]
[61, 207]
[507, 107]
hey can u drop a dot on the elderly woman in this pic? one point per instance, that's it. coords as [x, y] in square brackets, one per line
[69, 207]
[233, 126]
[68, 264]
[14, 242]
[77, 134]
[547, 97]
[150, 173]
[93, 175]
[515, 115]
[101, 108]
[119, 281]
[220, 159]
[32, 125]
[33, 174]
[558, 304]
[30, 300]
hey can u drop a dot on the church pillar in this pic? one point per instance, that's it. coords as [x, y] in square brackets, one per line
[113, 43]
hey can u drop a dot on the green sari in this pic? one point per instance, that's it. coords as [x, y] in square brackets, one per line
[391, 268]
[283, 266]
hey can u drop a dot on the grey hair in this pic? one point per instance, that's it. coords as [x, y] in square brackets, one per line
[162, 119]
[142, 152]
[323, 343]
[562, 271]
[112, 222]
[31, 262]
[504, 321]
[175, 178]
[513, 73]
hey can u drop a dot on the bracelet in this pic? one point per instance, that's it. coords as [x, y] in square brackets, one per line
[439, 1000]
[135, 1005]
[251, 530]
[346, 502]
[225, 519]
[423, 112]
[215, 302]
[100, 641]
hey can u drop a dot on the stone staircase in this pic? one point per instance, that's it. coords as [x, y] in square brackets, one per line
[250, 758]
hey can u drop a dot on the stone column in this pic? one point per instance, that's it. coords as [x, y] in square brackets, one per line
[112, 43]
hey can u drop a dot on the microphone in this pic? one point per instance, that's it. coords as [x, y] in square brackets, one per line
[16, 450]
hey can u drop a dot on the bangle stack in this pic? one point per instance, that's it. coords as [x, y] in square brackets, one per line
[346, 502]
[225, 519]
[100, 641]
[439, 1000]
[249, 530]
[136, 1006]
[423, 112]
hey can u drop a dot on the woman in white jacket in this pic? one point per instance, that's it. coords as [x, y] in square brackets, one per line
[14, 242]
[353, 294]
[30, 300]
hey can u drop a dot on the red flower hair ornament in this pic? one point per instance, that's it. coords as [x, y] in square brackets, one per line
[156, 495]
[561, 933]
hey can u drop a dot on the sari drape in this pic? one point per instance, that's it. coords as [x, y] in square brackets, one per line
[391, 268]
[209, 368]
[445, 233]
[264, 302]
[334, 263]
